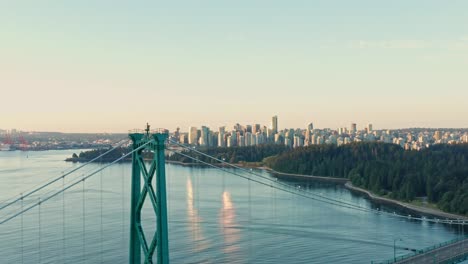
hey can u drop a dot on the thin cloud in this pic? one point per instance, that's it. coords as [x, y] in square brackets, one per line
[389, 44]
[460, 44]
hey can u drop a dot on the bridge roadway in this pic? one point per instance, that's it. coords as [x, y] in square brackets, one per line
[440, 255]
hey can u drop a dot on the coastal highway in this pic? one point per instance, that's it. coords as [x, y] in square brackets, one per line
[440, 255]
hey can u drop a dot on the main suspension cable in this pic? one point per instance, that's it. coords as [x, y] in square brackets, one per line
[75, 183]
[51, 181]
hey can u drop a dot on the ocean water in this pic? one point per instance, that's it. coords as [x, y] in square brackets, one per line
[214, 217]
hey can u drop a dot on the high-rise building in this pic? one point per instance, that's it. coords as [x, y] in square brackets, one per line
[298, 141]
[204, 137]
[255, 128]
[254, 139]
[193, 136]
[248, 139]
[241, 141]
[437, 135]
[310, 126]
[182, 138]
[274, 125]
[353, 128]
[369, 128]
[221, 132]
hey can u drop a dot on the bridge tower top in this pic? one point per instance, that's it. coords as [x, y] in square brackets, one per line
[152, 140]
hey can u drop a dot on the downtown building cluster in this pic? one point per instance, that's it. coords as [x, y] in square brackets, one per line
[256, 134]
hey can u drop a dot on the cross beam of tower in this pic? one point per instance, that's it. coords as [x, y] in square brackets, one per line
[157, 195]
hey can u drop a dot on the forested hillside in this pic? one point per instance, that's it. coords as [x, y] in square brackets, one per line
[439, 172]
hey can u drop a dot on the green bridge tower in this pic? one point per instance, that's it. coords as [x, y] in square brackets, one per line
[153, 143]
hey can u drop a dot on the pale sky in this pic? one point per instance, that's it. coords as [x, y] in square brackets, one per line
[111, 66]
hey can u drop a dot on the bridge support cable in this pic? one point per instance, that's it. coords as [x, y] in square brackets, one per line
[22, 234]
[64, 248]
[307, 193]
[53, 180]
[91, 174]
[288, 189]
[101, 226]
[274, 183]
[39, 231]
[250, 222]
[123, 215]
[83, 218]
[251, 173]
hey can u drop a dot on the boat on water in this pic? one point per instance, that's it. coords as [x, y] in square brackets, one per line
[4, 147]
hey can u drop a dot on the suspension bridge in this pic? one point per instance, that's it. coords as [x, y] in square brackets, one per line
[80, 216]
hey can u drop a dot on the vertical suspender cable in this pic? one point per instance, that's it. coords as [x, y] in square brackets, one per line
[249, 260]
[39, 231]
[123, 207]
[84, 221]
[197, 206]
[64, 248]
[22, 235]
[101, 227]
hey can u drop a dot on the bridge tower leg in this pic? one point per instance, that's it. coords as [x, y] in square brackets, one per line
[142, 186]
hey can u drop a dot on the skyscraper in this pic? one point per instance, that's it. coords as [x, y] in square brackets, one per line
[193, 136]
[274, 125]
[353, 128]
[221, 137]
[369, 128]
[205, 134]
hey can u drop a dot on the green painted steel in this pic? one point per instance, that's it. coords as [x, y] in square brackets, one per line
[157, 196]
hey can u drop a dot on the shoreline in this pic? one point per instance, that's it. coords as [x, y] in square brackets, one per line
[414, 209]
[348, 185]
[375, 198]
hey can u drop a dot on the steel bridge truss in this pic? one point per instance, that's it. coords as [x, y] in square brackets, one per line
[157, 196]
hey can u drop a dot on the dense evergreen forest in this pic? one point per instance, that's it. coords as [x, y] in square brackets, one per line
[439, 173]
[109, 157]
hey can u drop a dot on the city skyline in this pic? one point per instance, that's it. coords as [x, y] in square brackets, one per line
[228, 125]
[110, 67]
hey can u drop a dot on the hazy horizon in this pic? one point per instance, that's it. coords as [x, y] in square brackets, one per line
[106, 66]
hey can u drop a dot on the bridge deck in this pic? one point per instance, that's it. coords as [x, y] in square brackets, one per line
[444, 254]
[452, 251]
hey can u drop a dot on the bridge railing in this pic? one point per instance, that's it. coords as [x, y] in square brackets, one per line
[421, 251]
